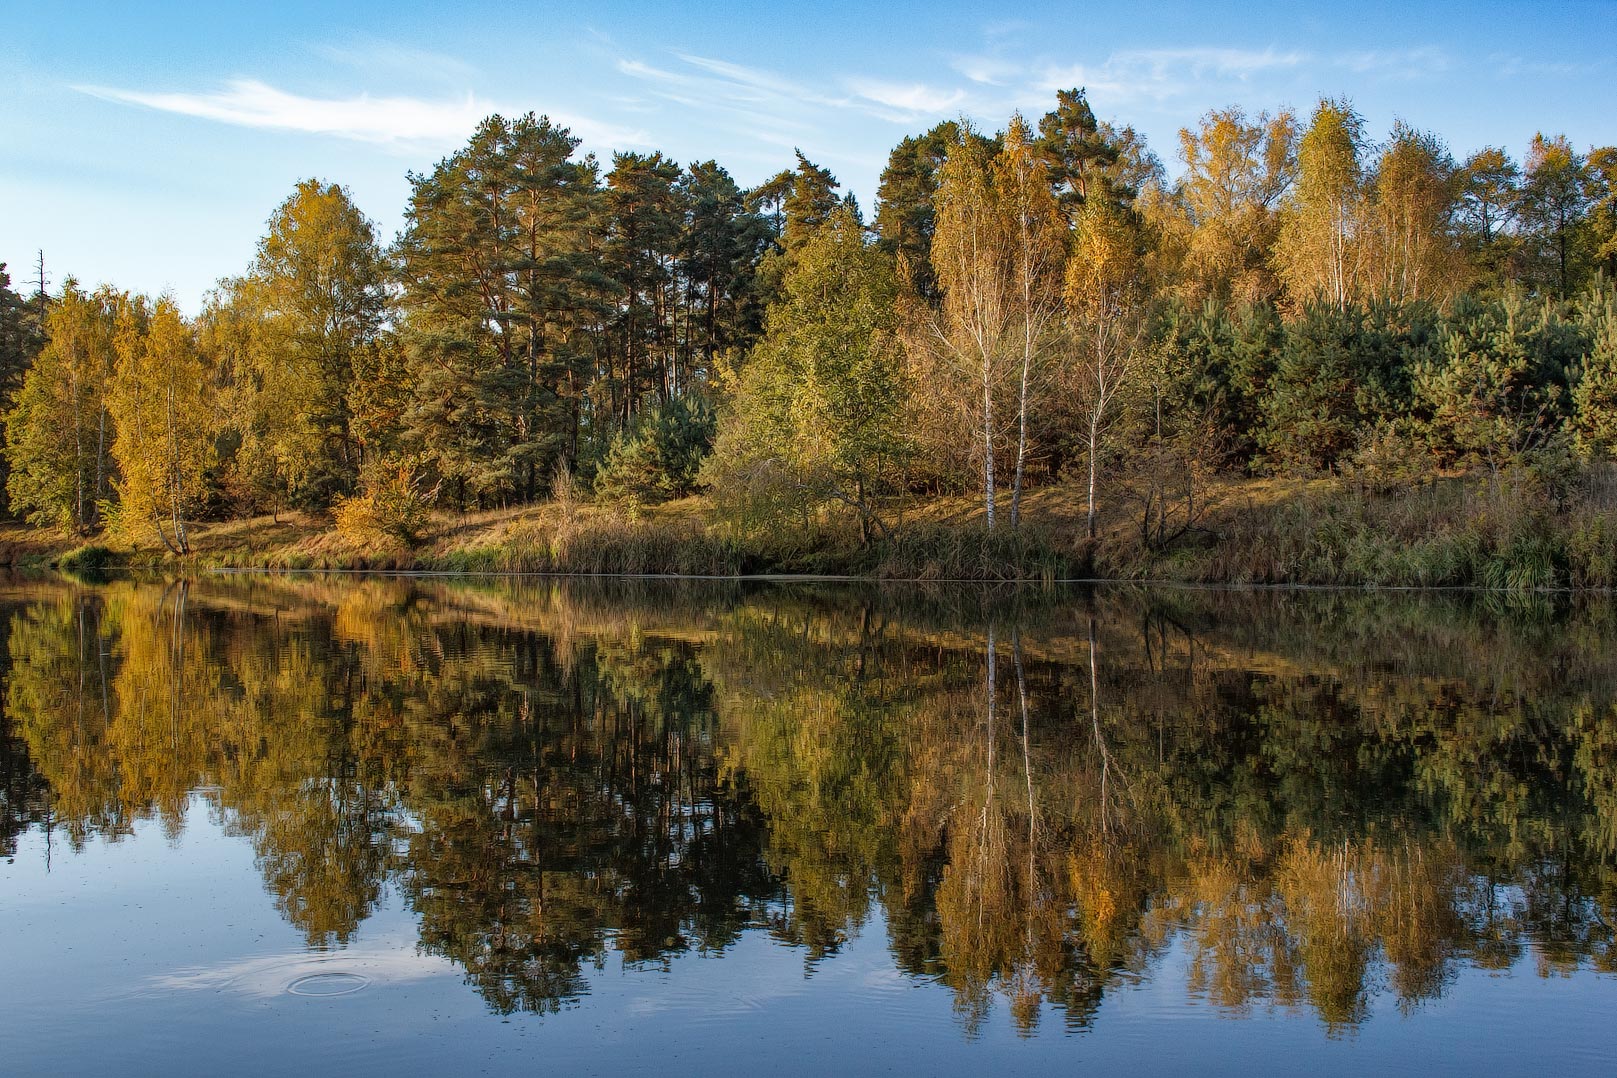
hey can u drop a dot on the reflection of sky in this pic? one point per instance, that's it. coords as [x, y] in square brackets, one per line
[146, 144]
[153, 954]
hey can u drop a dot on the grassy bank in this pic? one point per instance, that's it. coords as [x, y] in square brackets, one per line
[1478, 531]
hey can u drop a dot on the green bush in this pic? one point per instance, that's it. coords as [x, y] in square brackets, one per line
[90, 558]
[658, 458]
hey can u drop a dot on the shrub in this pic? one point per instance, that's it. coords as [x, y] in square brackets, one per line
[90, 558]
[658, 458]
[393, 506]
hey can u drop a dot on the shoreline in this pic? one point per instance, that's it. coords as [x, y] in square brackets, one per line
[1463, 533]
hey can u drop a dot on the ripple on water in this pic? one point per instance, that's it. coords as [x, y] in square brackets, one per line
[328, 984]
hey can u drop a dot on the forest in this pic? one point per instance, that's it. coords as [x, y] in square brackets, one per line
[1318, 353]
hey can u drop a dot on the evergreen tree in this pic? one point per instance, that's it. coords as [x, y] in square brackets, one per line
[1078, 153]
[644, 226]
[795, 202]
[1498, 385]
[718, 262]
[500, 284]
[1338, 371]
[1594, 396]
[906, 216]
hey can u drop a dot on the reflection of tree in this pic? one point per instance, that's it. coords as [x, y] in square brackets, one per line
[1037, 802]
[24, 794]
[560, 807]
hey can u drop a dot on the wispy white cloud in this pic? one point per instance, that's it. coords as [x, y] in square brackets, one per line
[758, 96]
[390, 58]
[390, 121]
[986, 70]
[1164, 74]
[908, 99]
[1397, 63]
[764, 82]
[1510, 67]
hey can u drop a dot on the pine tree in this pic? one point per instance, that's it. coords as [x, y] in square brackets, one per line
[644, 221]
[1077, 152]
[501, 282]
[719, 251]
[1554, 199]
[906, 215]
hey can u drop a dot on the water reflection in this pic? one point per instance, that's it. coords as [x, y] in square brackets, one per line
[1319, 798]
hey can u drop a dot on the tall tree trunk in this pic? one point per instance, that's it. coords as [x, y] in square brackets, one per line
[1094, 448]
[79, 517]
[988, 443]
[174, 478]
[1021, 437]
[100, 466]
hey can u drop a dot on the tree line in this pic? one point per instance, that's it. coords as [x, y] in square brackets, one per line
[1024, 307]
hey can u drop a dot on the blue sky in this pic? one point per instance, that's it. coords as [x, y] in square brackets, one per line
[146, 144]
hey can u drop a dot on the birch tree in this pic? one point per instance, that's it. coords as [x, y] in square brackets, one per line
[1106, 305]
[58, 436]
[159, 404]
[1037, 249]
[288, 336]
[1415, 196]
[1320, 246]
[971, 257]
[1236, 173]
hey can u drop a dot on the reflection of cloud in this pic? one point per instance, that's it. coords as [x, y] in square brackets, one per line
[272, 975]
[383, 120]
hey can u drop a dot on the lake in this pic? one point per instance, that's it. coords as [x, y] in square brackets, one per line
[277, 825]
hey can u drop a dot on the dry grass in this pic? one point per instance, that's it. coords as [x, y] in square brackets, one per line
[1451, 531]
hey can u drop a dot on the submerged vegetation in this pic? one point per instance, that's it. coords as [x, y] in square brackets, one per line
[1413, 356]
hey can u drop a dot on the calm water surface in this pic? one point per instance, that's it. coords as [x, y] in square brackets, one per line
[267, 825]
